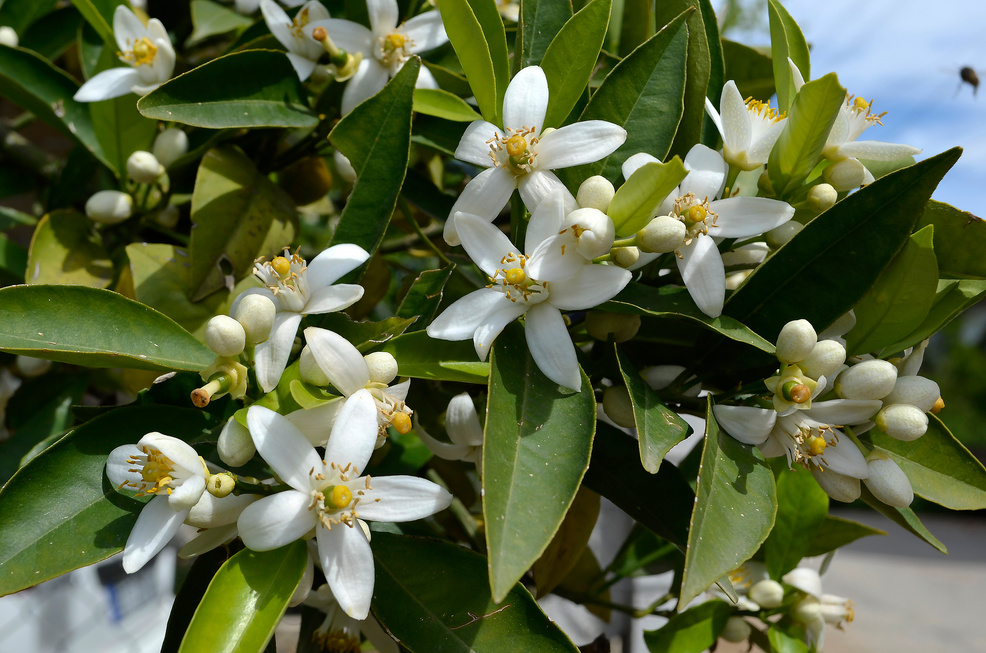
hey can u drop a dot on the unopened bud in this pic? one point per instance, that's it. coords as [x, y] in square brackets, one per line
[235, 446]
[30, 367]
[225, 336]
[170, 145]
[795, 341]
[618, 407]
[768, 594]
[838, 486]
[915, 390]
[620, 327]
[8, 36]
[220, 485]
[808, 610]
[595, 232]
[382, 367]
[311, 371]
[845, 175]
[625, 256]
[659, 377]
[109, 207]
[902, 421]
[344, 167]
[824, 360]
[595, 193]
[661, 235]
[779, 236]
[736, 630]
[872, 379]
[887, 481]
[822, 197]
[256, 314]
[143, 167]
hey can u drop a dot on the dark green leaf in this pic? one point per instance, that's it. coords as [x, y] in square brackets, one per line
[953, 297]
[960, 240]
[568, 544]
[52, 36]
[786, 40]
[365, 336]
[837, 532]
[539, 22]
[99, 14]
[20, 14]
[13, 260]
[636, 23]
[691, 631]
[802, 507]
[424, 296]
[189, 595]
[752, 71]
[119, 128]
[903, 517]
[419, 356]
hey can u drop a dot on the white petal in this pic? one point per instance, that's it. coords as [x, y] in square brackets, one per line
[401, 498]
[460, 320]
[187, 494]
[805, 579]
[536, 186]
[156, 525]
[271, 356]
[877, 151]
[799, 80]
[706, 172]
[845, 458]
[747, 424]
[462, 421]
[212, 512]
[759, 150]
[474, 146]
[425, 78]
[439, 448]
[283, 446]
[741, 217]
[578, 143]
[108, 84]
[347, 562]
[710, 110]
[304, 67]
[505, 312]
[208, 540]
[118, 468]
[594, 285]
[177, 451]
[545, 221]
[551, 347]
[426, 31]
[333, 298]
[556, 259]
[369, 79]
[526, 100]
[636, 162]
[278, 23]
[844, 411]
[347, 35]
[127, 28]
[339, 360]
[383, 15]
[484, 196]
[354, 433]
[485, 244]
[704, 276]
[840, 130]
[276, 520]
[316, 423]
[735, 119]
[333, 263]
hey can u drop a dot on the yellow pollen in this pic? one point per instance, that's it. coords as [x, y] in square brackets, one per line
[281, 266]
[144, 51]
[861, 104]
[515, 276]
[516, 145]
[396, 40]
[816, 445]
[341, 496]
[939, 404]
[401, 422]
[696, 214]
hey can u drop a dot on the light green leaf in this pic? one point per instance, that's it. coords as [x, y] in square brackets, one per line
[571, 57]
[421, 357]
[900, 298]
[658, 427]
[939, 467]
[99, 14]
[954, 296]
[904, 517]
[121, 130]
[189, 595]
[691, 631]
[783, 642]
[424, 297]
[638, 199]
[435, 596]
[837, 532]
[212, 19]
[253, 88]
[960, 240]
[92, 520]
[94, 328]
[537, 442]
[64, 250]
[237, 215]
[539, 22]
[476, 32]
[734, 510]
[802, 507]
[246, 600]
[786, 40]
[442, 104]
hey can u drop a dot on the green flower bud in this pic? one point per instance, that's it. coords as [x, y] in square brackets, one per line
[779, 236]
[838, 486]
[382, 367]
[824, 360]
[873, 379]
[310, 370]
[915, 390]
[768, 594]
[902, 421]
[887, 481]
[143, 167]
[235, 446]
[736, 630]
[595, 193]
[822, 197]
[796, 341]
[8, 36]
[662, 234]
[845, 175]
[256, 313]
[169, 146]
[30, 367]
[625, 256]
[220, 485]
[109, 207]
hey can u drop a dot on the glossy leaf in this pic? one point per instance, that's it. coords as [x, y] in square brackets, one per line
[99, 14]
[537, 442]
[751, 70]
[735, 506]
[658, 427]
[568, 544]
[691, 631]
[246, 600]
[785, 642]
[64, 250]
[190, 594]
[424, 297]
[900, 298]
[954, 296]
[939, 467]
[786, 40]
[799, 147]
[363, 335]
[93, 520]
[434, 597]
[903, 517]
[13, 261]
[419, 356]
[569, 61]
[47, 322]
[476, 32]
[637, 200]
[442, 104]
[960, 239]
[538, 23]
[20, 14]
[237, 215]
[253, 88]
[802, 507]
[837, 532]
[377, 141]
[211, 19]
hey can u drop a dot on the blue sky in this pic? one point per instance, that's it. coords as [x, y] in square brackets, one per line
[905, 56]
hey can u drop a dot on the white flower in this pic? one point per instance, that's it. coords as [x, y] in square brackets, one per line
[540, 284]
[509, 10]
[330, 496]
[523, 153]
[341, 633]
[250, 6]
[148, 53]
[706, 218]
[385, 47]
[749, 128]
[303, 50]
[816, 609]
[167, 468]
[298, 288]
[464, 430]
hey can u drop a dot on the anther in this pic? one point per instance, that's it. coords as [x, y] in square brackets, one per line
[939, 405]
[401, 423]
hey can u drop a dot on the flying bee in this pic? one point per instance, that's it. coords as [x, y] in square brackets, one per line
[969, 76]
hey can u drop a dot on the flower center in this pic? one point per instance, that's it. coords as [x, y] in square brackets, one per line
[156, 472]
[792, 389]
[807, 444]
[393, 48]
[299, 22]
[143, 52]
[763, 110]
[285, 277]
[514, 282]
[332, 500]
[696, 215]
[515, 151]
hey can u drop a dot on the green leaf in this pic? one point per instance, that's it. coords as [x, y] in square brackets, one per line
[12, 217]
[752, 71]
[536, 447]
[568, 544]
[634, 22]
[831, 263]
[237, 215]
[442, 104]
[658, 427]
[675, 303]
[960, 239]
[802, 508]
[939, 467]
[434, 596]
[782, 642]
[365, 336]
[94, 328]
[421, 357]
[99, 14]
[691, 631]
[65, 251]
[837, 532]
[377, 141]
[13, 261]
[476, 32]
[539, 22]
[189, 596]
[954, 296]
[212, 19]
[800, 144]
[638, 199]
[900, 298]
[21, 14]
[60, 512]
[246, 600]
[571, 57]
[643, 94]
[424, 297]
[735, 506]
[253, 88]
[903, 517]
[786, 40]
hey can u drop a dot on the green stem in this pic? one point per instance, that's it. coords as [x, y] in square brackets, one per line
[409, 214]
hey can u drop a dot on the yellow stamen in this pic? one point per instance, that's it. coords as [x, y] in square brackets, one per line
[401, 422]
[341, 496]
[144, 51]
[396, 40]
